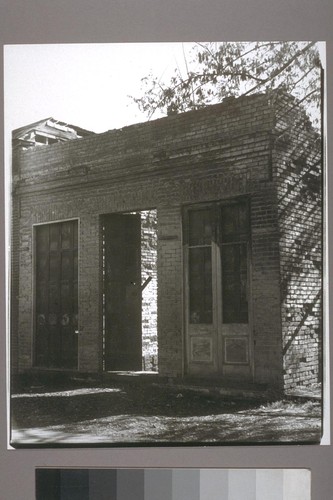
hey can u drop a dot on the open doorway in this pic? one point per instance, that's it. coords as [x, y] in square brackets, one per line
[130, 291]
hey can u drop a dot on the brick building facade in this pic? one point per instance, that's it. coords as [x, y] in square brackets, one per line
[232, 196]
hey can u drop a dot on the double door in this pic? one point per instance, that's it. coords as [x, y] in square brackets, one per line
[217, 284]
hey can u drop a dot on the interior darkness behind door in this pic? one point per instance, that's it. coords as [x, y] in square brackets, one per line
[122, 292]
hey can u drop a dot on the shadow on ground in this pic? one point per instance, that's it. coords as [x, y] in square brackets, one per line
[151, 414]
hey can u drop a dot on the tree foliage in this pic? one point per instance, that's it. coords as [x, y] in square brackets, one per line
[214, 71]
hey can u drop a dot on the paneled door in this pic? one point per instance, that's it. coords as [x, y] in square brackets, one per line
[217, 284]
[56, 302]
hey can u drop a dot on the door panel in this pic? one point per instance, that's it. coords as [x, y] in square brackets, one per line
[56, 295]
[122, 291]
[234, 325]
[200, 285]
[201, 319]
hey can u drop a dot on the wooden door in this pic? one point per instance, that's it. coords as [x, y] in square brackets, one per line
[217, 316]
[234, 323]
[122, 292]
[56, 311]
[201, 314]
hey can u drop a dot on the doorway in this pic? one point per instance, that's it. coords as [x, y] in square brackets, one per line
[130, 291]
[56, 297]
[217, 289]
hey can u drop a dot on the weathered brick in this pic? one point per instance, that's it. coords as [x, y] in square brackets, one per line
[255, 147]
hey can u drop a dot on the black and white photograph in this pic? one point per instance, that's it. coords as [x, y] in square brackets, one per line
[165, 223]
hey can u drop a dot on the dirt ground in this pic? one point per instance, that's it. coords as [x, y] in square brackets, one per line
[123, 414]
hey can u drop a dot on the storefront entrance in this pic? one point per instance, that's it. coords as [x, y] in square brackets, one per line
[217, 284]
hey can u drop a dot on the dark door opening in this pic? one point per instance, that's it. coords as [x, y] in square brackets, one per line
[122, 292]
[56, 317]
[130, 291]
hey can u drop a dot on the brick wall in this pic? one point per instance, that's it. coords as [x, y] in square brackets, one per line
[266, 315]
[14, 284]
[218, 153]
[297, 167]
[170, 274]
[149, 294]
[90, 285]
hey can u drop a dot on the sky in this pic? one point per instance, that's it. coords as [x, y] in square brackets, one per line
[87, 85]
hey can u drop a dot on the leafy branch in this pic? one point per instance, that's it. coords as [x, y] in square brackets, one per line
[214, 71]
